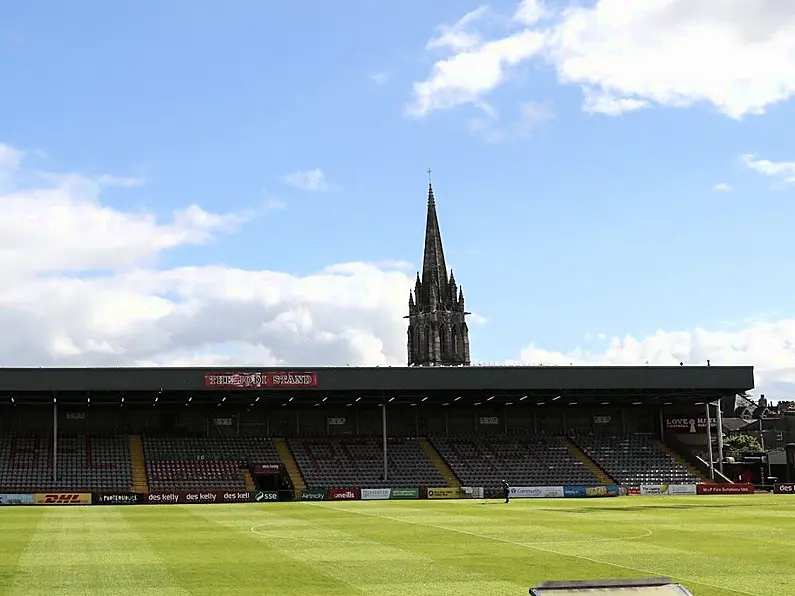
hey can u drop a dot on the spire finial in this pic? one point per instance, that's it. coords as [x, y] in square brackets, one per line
[430, 183]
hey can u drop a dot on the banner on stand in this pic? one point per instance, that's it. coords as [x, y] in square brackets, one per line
[344, 494]
[405, 493]
[376, 494]
[725, 489]
[16, 499]
[536, 492]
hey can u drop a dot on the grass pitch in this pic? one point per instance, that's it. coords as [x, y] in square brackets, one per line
[717, 546]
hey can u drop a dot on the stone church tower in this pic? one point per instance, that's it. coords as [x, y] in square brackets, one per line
[438, 333]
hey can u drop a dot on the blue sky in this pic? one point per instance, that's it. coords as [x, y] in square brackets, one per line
[562, 220]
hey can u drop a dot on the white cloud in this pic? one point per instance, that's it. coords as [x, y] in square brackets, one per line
[722, 187]
[530, 12]
[65, 228]
[380, 78]
[491, 128]
[10, 158]
[533, 114]
[768, 346]
[476, 319]
[738, 56]
[308, 180]
[81, 288]
[783, 170]
[458, 36]
[473, 68]
[600, 102]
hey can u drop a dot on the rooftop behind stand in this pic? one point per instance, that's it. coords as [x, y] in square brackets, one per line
[359, 462]
[85, 463]
[634, 459]
[521, 460]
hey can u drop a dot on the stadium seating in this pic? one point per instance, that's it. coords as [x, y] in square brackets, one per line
[195, 475]
[634, 459]
[201, 463]
[520, 460]
[85, 463]
[359, 462]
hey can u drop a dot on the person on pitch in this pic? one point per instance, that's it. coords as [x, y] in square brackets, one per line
[506, 491]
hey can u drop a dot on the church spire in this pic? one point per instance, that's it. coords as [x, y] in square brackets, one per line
[434, 269]
[437, 334]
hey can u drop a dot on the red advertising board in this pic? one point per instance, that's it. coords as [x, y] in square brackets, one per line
[344, 494]
[189, 498]
[784, 489]
[260, 380]
[725, 489]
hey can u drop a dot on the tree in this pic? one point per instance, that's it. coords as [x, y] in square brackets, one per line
[742, 443]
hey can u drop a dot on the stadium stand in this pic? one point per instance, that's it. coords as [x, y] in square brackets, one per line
[521, 460]
[85, 463]
[201, 463]
[359, 462]
[634, 459]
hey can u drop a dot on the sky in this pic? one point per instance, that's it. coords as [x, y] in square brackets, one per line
[192, 183]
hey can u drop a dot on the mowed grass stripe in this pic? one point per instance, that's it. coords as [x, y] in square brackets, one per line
[738, 537]
[594, 559]
[78, 550]
[747, 536]
[493, 546]
[17, 526]
[509, 522]
[213, 559]
[368, 563]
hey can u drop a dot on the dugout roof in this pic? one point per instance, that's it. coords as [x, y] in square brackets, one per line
[309, 385]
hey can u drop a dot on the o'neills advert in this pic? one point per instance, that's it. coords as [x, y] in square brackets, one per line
[260, 380]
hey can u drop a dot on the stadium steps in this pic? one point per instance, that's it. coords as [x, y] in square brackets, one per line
[593, 468]
[138, 465]
[286, 456]
[438, 462]
[249, 480]
[681, 461]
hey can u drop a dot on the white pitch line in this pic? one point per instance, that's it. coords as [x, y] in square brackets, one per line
[534, 547]
[255, 530]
